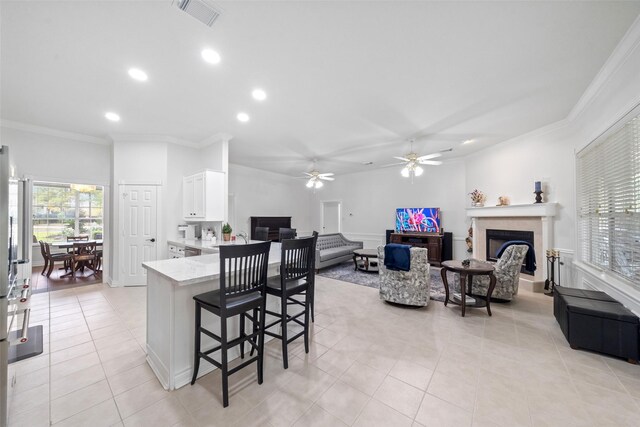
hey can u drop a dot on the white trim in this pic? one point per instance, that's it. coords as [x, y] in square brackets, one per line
[10, 124]
[125, 137]
[616, 60]
[216, 138]
[590, 277]
[534, 209]
[140, 182]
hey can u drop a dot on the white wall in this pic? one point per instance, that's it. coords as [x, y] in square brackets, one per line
[55, 158]
[369, 200]
[260, 193]
[549, 155]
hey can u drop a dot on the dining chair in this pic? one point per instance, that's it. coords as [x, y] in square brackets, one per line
[44, 257]
[83, 255]
[286, 233]
[51, 259]
[262, 233]
[294, 286]
[243, 279]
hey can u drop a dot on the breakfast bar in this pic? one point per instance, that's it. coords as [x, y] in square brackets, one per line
[171, 285]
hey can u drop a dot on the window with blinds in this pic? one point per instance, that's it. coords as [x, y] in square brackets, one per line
[608, 202]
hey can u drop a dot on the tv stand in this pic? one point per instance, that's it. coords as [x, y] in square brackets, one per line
[440, 246]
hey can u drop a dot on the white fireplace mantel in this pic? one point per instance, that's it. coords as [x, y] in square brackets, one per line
[534, 209]
[535, 216]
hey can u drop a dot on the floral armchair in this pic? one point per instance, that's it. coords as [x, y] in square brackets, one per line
[507, 275]
[411, 287]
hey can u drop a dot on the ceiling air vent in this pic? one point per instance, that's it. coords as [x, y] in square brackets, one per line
[203, 10]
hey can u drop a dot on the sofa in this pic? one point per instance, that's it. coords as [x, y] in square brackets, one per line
[333, 249]
[411, 287]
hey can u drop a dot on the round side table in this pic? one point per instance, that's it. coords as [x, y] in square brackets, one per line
[475, 268]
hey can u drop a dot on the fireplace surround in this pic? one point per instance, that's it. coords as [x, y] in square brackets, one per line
[496, 238]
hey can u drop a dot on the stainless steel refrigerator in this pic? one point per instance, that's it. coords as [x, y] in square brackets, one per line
[15, 251]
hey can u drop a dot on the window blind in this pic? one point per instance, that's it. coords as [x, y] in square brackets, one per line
[608, 202]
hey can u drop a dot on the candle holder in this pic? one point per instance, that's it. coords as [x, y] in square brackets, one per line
[538, 196]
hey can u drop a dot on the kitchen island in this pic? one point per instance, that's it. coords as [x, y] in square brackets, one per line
[171, 285]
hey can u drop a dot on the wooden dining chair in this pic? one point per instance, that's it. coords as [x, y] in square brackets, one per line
[83, 255]
[51, 259]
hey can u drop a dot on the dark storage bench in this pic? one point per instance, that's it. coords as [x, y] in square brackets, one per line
[592, 320]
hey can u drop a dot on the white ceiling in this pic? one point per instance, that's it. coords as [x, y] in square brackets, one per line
[348, 82]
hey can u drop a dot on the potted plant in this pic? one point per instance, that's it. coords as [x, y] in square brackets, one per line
[477, 198]
[226, 232]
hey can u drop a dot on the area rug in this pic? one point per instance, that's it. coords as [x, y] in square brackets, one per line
[346, 273]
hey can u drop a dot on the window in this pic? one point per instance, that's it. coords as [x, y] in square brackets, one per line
[62, 210]
[608, 191]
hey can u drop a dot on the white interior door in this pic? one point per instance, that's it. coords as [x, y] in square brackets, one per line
[330, 217]
[138, 233]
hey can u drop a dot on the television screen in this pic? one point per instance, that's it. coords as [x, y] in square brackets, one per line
[425, 220]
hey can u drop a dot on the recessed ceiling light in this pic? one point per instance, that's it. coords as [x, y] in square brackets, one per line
[243, 117]
[138, 74]
[468, 141]
[367, 163]
[112, 116]
[259, 94]
[211, 56]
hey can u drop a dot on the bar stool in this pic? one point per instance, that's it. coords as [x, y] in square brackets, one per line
[295, 280]
[243, 278]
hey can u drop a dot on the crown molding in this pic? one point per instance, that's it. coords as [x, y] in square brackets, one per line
[215, 138]
[618, 57]
[41, 130]
[126, 137]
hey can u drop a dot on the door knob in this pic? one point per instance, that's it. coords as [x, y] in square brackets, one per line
[151, 240]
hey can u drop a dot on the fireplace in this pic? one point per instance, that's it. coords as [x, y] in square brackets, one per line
[496, 238]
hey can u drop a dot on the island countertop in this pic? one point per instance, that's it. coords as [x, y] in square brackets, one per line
[206, 246]
[198, 269]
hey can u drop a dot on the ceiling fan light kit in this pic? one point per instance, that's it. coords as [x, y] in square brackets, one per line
[413, 161]
[316, 178]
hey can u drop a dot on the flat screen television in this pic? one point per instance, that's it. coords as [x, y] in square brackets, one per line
[424, 220]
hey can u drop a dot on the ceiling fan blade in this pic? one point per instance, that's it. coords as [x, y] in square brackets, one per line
[308, 174]
[404, 159]
[392, 164]
[327, 178]
[429, 156]
[431, 162]
[326, 174]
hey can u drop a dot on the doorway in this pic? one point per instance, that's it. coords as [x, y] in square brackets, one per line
[331, 222]
[138, 211]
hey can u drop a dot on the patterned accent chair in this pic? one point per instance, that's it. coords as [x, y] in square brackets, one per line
[507, 275]
[411, 287]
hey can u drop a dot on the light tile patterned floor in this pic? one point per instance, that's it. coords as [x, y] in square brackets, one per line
[371, 364]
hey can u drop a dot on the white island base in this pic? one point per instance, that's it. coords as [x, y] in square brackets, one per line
[171, 285]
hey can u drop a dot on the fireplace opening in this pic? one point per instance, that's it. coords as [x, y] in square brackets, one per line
[496, 238]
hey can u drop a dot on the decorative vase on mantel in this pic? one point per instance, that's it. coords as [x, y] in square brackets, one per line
[477, 198]
[477, 204]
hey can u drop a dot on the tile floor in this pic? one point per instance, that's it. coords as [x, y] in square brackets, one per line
[371, 364]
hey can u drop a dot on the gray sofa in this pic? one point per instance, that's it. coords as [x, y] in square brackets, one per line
[333, 249]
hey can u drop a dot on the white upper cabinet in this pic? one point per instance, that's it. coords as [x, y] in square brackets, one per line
[203, 196]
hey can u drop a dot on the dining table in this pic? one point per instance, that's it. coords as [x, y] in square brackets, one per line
[62, 244]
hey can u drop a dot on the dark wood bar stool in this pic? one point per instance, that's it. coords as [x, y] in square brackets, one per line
[294, 286]
[286, 233]
[243, 279]
[262, 233]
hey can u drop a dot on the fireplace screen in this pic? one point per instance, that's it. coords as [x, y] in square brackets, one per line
[497, 238]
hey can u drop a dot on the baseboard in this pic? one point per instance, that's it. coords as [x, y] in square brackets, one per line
[158, 368]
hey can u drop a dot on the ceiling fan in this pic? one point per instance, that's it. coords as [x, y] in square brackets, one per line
[316, 178]
[412, 162]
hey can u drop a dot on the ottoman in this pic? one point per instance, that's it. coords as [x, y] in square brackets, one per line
[560, 305]
[602, 326]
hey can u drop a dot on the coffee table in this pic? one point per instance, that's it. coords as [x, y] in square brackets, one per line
[475, 268]
[366, 259]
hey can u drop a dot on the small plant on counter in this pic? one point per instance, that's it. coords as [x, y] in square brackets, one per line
[226, 232]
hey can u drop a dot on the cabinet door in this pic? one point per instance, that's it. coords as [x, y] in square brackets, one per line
[198, 196]
[187, 197]
[215, 200]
